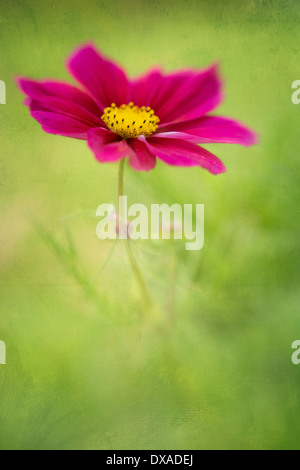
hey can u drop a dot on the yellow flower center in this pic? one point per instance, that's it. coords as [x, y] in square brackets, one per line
[130, 121]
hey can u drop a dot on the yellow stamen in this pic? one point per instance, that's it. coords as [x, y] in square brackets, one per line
[130, 121]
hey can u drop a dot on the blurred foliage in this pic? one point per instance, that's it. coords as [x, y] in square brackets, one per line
[85, 368]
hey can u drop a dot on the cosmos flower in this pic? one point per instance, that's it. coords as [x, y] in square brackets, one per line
[153, 116]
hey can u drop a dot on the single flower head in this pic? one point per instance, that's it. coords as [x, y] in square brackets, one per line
[154, 116]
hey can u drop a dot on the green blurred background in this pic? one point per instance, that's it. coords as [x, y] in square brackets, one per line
[86, 368]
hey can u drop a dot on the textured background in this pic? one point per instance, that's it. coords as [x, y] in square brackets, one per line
[84, 368]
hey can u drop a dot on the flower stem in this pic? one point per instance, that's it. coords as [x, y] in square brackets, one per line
[135, 268]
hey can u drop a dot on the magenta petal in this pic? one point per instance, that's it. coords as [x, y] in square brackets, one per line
[181, 153]
[145, 89]
[113, 152]
[157, 90]
[60, 124]
[66, 108]
[142, 158]
[45, 90]
[61, 108]
[102, 136]
[104, 80]
[211, 129]
[179, 95]
[107, 146]
[199, 94]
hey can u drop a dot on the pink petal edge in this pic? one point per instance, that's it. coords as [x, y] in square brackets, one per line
[212, 129]
[106, 82]
[178, 152]
[142, 158]
[107, 146]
